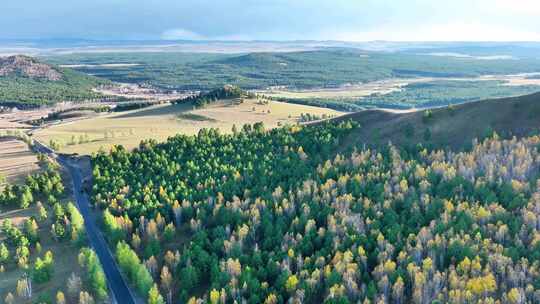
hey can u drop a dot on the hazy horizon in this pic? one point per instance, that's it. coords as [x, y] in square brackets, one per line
[172, 41]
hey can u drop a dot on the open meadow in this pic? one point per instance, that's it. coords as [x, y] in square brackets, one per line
[161, 122]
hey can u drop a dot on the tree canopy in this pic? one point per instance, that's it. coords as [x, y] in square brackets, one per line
[272, 216]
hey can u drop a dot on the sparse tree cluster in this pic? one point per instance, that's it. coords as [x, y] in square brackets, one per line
[21, 250]
[46, 186]
[225, 92]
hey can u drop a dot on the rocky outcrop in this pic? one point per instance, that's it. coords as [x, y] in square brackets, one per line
[28, 67]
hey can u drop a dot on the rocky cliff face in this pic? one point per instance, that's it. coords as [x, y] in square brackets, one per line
[28, 67]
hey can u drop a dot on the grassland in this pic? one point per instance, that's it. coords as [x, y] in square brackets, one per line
[16, 160]
[160, 122]
[454, 126]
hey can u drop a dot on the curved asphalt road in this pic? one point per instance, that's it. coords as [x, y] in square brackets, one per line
[120, 290]
[117, 285]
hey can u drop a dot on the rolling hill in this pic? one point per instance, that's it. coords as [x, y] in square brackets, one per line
[329, 67]
[225, 92]
[455, 126]
[28, 82]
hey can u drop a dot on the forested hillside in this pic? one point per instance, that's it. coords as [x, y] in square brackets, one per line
[273, 216]
[27, 82]
[307, 69]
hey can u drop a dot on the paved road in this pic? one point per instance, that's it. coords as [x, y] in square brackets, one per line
[115, 280]
[120, 290]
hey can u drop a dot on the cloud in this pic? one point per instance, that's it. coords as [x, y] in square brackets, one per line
[181, 34]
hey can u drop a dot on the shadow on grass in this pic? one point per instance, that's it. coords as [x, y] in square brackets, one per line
[156, 111]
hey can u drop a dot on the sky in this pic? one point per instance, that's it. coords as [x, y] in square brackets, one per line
[345, 20]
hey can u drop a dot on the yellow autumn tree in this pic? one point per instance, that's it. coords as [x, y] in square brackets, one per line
[291, 283]
[214, 296]
[271, 299]
[514, 296]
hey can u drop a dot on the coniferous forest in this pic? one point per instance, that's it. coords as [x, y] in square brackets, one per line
[291, 216]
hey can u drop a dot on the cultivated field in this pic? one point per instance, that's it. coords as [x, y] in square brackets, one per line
[160, 122]
[6, 125]
[17, 120]
[16, 160]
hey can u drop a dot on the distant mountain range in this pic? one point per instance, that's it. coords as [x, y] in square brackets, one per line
[63, 46]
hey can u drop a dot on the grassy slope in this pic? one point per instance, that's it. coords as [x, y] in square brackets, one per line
[453, 126]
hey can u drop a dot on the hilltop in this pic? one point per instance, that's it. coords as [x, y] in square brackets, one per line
[454, 126]
[257, 60]
[225, 92]
[25, 66]
[29, 82]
